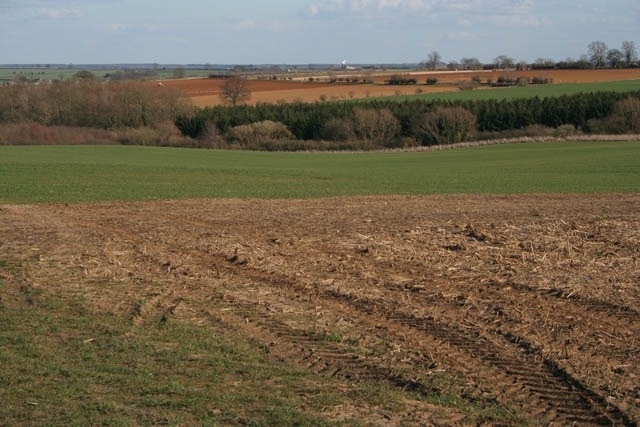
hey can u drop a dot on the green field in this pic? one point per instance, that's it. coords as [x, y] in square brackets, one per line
[105, 173]
[530, 91]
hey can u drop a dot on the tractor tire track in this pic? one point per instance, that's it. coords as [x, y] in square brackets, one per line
[482, 329]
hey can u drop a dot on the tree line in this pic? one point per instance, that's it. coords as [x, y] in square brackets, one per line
[598, 55]
[83, 110]
[87, 103]
[387, 123]
[145, 114]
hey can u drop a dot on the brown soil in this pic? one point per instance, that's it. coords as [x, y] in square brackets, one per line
[528, 303]
[205, 92]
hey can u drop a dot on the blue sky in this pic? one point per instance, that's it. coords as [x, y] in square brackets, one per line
[307, 31]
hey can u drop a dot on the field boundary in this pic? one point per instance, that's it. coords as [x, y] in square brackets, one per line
[488, 142]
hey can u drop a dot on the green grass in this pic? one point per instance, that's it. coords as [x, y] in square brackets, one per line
[541, 91]
[66, 364]
[105, 173]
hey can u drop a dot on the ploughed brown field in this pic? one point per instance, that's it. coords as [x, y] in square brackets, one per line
[206, 92]
[529, 302]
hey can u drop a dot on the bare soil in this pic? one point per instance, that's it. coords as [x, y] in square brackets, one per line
[206, 92]
[526, 302]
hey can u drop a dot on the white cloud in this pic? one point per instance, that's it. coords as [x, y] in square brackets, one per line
[152, 28]
[245, 24]
[510, 7]
[519, 21]
[368, 6]
[462, 36]
[280, 26]
[119, 28]
[461, 6]
[59, 13]
[114, 28]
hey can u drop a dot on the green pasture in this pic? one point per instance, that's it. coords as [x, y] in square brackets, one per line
[32, 174]
[530, 91]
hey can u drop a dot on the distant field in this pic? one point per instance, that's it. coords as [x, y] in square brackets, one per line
[204, 92]
[62, 73]
[531, 91]
[101, 173]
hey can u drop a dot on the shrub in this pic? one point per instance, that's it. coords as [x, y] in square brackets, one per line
[138, 136]
[598, 126]
[626, 115]
[210, 136]
[539, 131]
[30, 133]
[445, 125]
[467, 85]
[336, 129]
[164, 134]
[625, 118]
[563, 131]
[397, 79]
[432, 81]
[532, 132]
[540, 80]
[258, 133]
[375, 127]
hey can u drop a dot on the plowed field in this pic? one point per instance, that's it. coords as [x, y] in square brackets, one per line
[206, 92]
[528, 303]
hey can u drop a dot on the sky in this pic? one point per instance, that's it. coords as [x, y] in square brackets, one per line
[307, 31]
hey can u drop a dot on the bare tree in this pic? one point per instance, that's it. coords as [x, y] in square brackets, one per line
[375, 127]
[503, 62]
[615, 58]
[235, 91]
[433, 59]
[453, 65]
[544, 63]
[629, 51]
[84, 75]
[597, 53]
[445, 125]
[471, 63]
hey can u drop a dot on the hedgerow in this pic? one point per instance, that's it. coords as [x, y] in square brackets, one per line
[339, 121]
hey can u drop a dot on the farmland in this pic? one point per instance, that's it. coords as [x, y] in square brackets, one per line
[105, 173]
[394, 310]
[487, 285]
[205, 92]
[320, 289]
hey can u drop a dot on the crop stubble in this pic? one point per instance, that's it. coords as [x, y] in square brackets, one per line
[529, 303]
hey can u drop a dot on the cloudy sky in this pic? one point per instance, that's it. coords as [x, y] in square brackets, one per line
[307, 31]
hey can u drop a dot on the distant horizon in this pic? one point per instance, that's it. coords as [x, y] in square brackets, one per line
[193, 64]
[247, 32]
